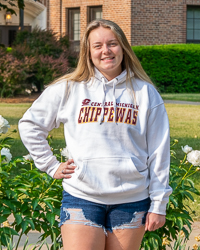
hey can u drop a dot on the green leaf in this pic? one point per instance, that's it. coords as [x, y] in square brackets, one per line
[18, 218]
[3, 218]
[49, 205]
[171, 198]
[34, 203]
[24, 226]
[179, 222]
[51, 218]
[8, 230]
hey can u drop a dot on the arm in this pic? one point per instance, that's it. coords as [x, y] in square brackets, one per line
[35, 126]
[158, 141]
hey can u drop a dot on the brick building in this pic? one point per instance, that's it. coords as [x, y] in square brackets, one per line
[144, 22]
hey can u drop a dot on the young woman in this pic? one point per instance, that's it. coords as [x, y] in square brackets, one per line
[117, 132]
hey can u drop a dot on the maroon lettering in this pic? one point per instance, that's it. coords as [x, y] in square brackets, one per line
[110, 118]
[92, 113]
[98, 112]
[86, 114]
[120, 114]
[128, 117]
[80, 118]
[135, 114]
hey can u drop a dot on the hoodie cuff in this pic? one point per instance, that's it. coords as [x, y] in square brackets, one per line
[51, 170]
[158, 207]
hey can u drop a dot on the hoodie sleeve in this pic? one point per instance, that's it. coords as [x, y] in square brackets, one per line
[35, 125]
[158, 141]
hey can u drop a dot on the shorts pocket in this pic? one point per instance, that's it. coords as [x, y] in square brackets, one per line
[103, 176]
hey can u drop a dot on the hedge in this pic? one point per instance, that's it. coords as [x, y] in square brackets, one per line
[173, 68]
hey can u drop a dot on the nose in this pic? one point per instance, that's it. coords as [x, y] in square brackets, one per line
[106, 49]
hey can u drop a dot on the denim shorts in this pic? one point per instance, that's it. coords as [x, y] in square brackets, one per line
[120, 216]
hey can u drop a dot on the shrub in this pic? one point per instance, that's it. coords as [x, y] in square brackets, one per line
[36, 59]
[173, 68]
[14, 73]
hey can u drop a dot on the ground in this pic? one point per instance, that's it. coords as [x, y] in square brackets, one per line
[20, 98]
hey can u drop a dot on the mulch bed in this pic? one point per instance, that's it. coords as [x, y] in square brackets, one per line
[20, 99]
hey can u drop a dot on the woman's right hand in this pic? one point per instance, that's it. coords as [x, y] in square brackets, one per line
[65, 170]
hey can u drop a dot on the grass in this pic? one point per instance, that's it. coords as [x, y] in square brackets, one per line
[190, 97]
[184, 125]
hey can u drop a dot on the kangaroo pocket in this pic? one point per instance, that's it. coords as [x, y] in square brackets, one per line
[102, 176]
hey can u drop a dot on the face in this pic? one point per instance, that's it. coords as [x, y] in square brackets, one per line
[106, 52]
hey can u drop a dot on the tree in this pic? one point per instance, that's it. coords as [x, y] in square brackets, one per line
[8, 4]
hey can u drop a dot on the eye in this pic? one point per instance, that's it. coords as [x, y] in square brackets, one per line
[97, 46]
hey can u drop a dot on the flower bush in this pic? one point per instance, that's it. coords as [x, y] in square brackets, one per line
[35, 59]
[34, 199]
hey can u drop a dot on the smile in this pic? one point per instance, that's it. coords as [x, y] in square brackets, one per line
[107, 58]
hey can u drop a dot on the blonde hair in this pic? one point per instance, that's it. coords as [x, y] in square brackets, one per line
[85, 68]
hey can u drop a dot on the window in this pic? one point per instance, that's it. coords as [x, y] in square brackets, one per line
[73, 27]
[193, 24]
[94, 12]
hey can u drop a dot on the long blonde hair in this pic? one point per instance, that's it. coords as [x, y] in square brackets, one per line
[85, 68]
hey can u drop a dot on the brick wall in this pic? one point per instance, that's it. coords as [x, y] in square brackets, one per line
[159, 21]
[112, 10]
[144, 22]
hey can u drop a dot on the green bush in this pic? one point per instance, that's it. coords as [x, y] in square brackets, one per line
[173, 68]
[36, 59]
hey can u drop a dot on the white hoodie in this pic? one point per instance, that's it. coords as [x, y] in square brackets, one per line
[121, 149]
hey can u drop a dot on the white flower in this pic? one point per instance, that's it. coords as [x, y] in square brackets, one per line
[65, 153]
[28, 157]
[6, 152]
[186, 149]
[3, 125]
[194, 157]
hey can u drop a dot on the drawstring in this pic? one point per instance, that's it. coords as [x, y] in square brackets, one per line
[103, 99]
[114, 99]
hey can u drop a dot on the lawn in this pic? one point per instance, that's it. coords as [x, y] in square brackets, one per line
[190, 97]
[184, 126]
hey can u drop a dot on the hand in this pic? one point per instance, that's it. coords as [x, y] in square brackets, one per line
[65, 170]
[154, 221]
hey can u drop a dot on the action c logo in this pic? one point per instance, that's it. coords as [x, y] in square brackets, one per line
[85, 102]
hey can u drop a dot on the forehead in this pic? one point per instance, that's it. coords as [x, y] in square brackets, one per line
[101, 34]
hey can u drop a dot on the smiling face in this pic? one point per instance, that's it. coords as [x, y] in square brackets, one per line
[105, 52]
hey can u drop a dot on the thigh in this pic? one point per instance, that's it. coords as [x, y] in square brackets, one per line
[76, 237]
[125, 239]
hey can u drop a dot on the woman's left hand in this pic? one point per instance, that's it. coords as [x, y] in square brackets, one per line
[154, 221]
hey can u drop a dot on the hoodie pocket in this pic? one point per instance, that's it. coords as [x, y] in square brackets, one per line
[102, 176]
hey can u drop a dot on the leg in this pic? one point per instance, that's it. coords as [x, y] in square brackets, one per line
[125, 239]
[79, 233]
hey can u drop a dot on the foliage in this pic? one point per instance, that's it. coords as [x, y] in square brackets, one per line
[173, 68]
[34, 200]
[9, 4]
[178, 215]
[36, 59]
[14, 73]
[41, 42]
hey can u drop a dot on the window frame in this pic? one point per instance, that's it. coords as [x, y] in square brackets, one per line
[90, 9]
[193, 8]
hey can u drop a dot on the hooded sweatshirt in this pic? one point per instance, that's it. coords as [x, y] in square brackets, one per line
[120, 144]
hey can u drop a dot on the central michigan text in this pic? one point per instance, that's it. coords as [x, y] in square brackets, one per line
[92, 114]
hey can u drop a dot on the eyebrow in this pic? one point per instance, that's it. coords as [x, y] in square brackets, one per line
[112, 40]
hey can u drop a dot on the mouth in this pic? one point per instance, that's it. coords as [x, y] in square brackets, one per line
[107, 58]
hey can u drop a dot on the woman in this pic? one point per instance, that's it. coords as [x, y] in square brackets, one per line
[116, 128]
